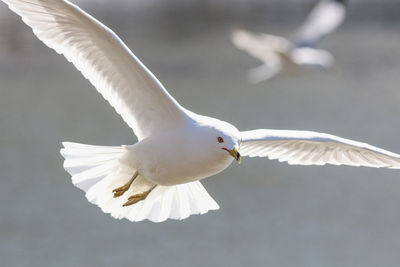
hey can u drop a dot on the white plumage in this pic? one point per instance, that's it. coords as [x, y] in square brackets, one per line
[97, 170]
[312, 148]
[279, 54]
[104, 60]
[158, 177]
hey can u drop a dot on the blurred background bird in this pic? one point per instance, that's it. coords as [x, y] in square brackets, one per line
[281, 54]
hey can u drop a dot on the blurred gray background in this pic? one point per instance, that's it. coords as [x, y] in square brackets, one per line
[272, 214]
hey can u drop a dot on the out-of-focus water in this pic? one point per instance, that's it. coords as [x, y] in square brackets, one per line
[272, 214]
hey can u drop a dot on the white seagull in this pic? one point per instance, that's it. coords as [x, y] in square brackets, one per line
[158, 177]
[278, 53]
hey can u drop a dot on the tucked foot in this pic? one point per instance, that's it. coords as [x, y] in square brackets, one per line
[138, 197]
[121, 190]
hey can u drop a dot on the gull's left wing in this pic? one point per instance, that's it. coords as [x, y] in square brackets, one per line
[312, 148]
[322, 21]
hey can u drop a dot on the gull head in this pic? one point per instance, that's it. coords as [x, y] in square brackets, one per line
[220, 139]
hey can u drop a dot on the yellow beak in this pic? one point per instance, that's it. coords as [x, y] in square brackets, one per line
[235, 154]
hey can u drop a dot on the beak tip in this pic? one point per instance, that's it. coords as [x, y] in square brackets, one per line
[238, 157]
[235, 154]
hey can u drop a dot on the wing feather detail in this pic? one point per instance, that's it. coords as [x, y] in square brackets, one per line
[312, 148]
[103, 59]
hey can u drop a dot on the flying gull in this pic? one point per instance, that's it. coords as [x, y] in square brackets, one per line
[158, 177]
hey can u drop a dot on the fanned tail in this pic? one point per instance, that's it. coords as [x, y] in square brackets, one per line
[98, 170]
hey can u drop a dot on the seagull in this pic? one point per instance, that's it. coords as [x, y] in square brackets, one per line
[279, 54]
[158, 177]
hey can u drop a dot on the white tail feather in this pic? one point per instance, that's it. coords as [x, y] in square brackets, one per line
[98, 170]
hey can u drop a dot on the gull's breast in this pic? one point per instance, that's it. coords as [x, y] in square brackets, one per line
[169, 160]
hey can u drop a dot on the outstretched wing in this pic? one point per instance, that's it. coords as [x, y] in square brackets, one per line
[322, 21]
[105, 61]
[312, 148]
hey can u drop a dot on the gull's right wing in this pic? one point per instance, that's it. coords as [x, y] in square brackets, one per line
[105, 61]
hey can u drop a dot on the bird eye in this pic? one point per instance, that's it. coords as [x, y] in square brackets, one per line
[220, 139]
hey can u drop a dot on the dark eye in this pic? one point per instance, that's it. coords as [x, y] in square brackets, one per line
[220, 139]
